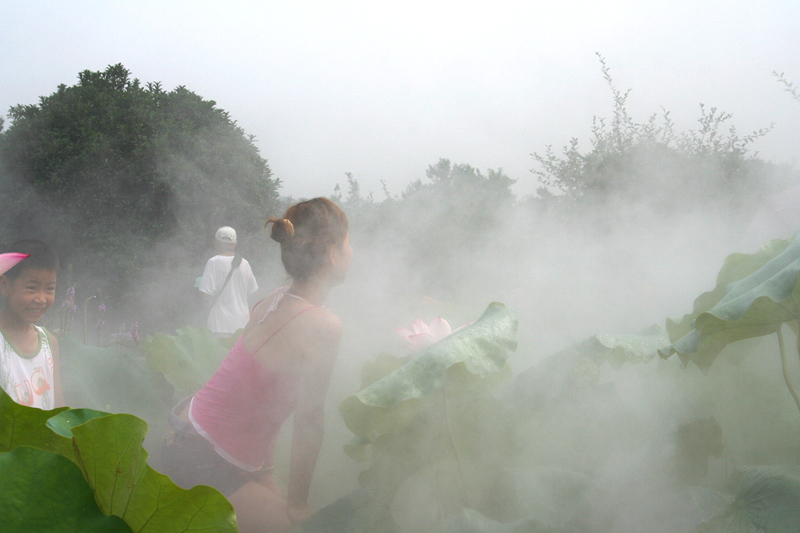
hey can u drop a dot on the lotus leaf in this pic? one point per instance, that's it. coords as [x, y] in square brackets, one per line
[709, 502]
[383, 365]
[388, 404]
[755, 295]
[63, 422]
[734, 268]
[423, 415]
[767, 499]
[357, 449]
[551, 494]
[110, 454]
[577, 368]
[189, 359]
[25, 426]
[618, 349]
[471, 521]
[43, 491]
[108, 451]
[112, 379]
[354, 513]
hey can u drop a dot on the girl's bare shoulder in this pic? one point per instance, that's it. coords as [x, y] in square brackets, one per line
[324, 322]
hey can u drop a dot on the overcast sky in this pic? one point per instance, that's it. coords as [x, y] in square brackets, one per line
[384, 89]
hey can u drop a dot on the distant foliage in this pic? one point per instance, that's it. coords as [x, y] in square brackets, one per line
[107, 169]
[788, 86]
[650, 162]
[456, 209]
[434, 222]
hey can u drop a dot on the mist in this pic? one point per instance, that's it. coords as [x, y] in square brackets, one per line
[622, 268]
[458, 239]
[383, 91]
[427, 121]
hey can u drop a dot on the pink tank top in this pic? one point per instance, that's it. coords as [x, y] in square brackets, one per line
[243, 406]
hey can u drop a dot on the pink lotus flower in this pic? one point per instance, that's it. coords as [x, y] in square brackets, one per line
[8, 260]
[423, 335]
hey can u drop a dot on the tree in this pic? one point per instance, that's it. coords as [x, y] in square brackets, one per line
[457, 210]
[108, 170]
[433, 225]
[788, 86]
[652, 164]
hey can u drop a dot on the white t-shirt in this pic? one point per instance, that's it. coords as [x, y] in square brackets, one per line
[231, 312]
[28, 380]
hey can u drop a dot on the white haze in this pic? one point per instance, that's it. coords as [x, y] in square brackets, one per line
[567, 282]
[385, 92]
[382, 90]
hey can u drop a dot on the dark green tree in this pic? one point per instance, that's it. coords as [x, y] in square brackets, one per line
[109, 171]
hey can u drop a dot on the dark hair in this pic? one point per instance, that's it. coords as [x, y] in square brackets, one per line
[306, 232]
[40, 255]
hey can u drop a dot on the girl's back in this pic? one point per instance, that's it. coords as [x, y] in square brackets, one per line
[279, 331]
[243, 406]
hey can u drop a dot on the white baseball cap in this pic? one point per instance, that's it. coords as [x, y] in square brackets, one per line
[226, 234]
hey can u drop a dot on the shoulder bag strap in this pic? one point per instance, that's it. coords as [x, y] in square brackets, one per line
[237, 260]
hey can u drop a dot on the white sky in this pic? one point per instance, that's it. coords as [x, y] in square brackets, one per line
[384, 89]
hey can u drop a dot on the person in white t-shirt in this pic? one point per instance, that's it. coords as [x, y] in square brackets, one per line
[229, 310]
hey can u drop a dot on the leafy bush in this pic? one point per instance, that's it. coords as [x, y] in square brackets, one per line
[651, 163]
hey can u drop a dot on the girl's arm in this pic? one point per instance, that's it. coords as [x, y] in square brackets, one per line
[58, 392]
[309, 416]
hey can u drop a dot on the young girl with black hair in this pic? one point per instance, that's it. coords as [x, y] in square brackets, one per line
[29, 370]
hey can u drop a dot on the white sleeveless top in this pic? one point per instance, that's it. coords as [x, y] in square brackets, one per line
[28, 379]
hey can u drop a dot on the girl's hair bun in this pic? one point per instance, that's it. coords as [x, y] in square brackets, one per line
[282, 229]
[306, 232]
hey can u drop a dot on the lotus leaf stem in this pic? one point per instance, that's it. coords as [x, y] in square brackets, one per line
[786, 369]
[457, 452]
[85, 316]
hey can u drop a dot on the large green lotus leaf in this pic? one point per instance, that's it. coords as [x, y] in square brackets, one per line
[43, 491]
[478, 424]
[767, 499]
[189, 359]
[618, 349]
[467, 405]
[63, 423]
[112, 379]
[110, 453]
[752, 306]
[552, 494]
[397, 456]
[25, 426]
[442, 438]
[355, 513]
[471, 521]
[388, 404]
[578, 367]
[709, 502]
[734, 268]
[358, 449]
[383, 365]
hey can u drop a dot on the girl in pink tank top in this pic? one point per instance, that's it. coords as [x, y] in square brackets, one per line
[281, 365]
